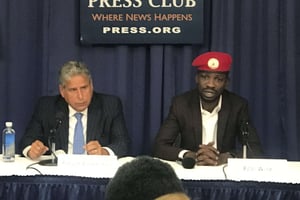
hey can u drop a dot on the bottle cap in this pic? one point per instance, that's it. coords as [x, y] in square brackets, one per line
[8, 124]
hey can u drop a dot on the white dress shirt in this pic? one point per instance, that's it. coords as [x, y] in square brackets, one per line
[72, 123]
[209, 126]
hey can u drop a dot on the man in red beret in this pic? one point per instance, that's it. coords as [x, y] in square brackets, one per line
[211, 122]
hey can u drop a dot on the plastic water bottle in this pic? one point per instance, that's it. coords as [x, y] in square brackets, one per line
[8, 146]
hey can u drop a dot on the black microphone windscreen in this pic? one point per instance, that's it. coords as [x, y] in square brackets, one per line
[59, 116]
[188, 162]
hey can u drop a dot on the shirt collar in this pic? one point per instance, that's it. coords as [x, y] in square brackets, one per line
[216, 109]
[72, 111]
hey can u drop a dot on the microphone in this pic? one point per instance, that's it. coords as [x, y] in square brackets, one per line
[51, 141]
[245, 134]
[188, 162]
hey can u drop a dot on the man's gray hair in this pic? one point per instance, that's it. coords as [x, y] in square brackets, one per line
[72, 68]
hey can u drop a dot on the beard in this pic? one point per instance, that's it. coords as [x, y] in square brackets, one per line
[209, 95]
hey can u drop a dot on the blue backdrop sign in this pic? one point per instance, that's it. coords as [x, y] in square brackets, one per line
[141, 21]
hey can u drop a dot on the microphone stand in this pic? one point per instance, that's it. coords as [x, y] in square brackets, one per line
[245, 134]
[244, 151]
[51, 143]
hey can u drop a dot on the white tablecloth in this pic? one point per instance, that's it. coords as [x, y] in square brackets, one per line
[24, 167]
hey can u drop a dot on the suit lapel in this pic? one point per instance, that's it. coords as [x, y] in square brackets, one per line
[63, 131]
[196, 118]
[222, 119]
[94, 115]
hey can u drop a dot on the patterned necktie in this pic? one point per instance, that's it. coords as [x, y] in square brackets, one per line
[78, 136]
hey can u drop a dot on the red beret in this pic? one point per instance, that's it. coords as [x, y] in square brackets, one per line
[213, 61]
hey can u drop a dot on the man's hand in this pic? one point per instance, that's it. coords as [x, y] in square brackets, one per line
[190, 154]
[207, 155]
[37, 149]
[94, 148]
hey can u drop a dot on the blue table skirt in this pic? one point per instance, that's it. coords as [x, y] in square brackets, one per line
[81, 188]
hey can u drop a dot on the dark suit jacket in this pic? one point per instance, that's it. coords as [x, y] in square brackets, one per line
[185, 121]
[105, 123]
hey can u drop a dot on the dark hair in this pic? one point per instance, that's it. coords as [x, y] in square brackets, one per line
[143, 178]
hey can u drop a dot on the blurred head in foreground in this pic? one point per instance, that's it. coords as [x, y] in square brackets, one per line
[145, 178]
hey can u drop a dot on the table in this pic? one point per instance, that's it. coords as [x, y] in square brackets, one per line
[17, 182]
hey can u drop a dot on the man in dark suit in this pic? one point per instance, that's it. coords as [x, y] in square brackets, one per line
[103, 130]
[210, 122]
